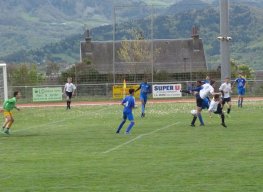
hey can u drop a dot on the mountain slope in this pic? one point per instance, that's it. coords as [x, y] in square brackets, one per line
[30, 24]
[246, 26]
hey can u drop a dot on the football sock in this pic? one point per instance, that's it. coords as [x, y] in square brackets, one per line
[193, 121]
[238, 103]
[7, 131]
[129, 127]
[143, 108]
[200, 118]
[120, 126]
[223, 118]
[228, 110]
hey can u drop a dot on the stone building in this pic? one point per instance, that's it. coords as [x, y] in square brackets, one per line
[174, 56]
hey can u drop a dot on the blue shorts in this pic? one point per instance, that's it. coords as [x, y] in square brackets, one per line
[241, 91]
[128, 115]
[143, 98]
[205, 103]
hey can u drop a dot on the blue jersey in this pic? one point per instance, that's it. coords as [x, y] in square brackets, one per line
[197, 89]
[129, 103]
[241, 82]
[206, 81]
[145, 89]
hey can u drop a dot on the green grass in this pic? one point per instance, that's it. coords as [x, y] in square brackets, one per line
[51, 149]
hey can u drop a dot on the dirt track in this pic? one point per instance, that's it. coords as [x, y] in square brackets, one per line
[92, 103]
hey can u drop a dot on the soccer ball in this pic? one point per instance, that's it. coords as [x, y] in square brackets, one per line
[193, 112]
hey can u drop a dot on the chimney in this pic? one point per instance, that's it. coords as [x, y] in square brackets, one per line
[195, 32]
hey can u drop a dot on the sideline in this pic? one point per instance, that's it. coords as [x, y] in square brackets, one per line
[106, 103]
[97, 103]
[138, 137]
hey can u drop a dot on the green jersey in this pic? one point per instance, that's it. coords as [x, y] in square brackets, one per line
[9, 104]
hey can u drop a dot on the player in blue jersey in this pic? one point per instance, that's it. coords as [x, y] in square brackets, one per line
[241, 89]
[145, 90]
[129, 103]
[207, 79]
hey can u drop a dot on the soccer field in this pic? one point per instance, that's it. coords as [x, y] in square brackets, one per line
[53, 149]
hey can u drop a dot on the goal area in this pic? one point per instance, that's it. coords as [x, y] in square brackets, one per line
[3, 82]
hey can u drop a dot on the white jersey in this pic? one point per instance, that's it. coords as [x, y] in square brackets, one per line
[226, 88]
[206, 90]
[69, 87]
[213, 106]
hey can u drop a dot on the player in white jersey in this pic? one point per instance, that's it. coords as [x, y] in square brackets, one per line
[226, 90]
[69, 91]
[216, 107]
[207, 89]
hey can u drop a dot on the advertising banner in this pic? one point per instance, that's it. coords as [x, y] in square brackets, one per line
[119, 91]
[47, 94]
[167, 90]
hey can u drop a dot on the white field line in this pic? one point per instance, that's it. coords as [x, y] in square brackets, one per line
[43, 125]
[56, 122]
[5, 178]
[138, 137]
[63, 105]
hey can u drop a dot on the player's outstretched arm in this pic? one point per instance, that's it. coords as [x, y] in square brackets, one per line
[185, 91]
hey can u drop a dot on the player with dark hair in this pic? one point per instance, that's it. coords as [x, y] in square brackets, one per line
[217, 108]
[145, 90]
[206, 90]
[129, 103]
[195, 91]
[8, 106]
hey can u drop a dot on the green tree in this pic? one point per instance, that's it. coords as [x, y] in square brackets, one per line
[83, 72]
[137, 52]
[52, 68]
[237, 68]
[25, 75]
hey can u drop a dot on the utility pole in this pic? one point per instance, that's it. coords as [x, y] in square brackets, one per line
[113, 42]
[224, 40]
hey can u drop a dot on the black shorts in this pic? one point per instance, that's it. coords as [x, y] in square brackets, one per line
[226, 100]
[219, 109]
[69, 94]
[199, 101]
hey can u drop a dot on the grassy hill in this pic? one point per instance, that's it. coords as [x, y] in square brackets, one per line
[31, 24]
[51, 30]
